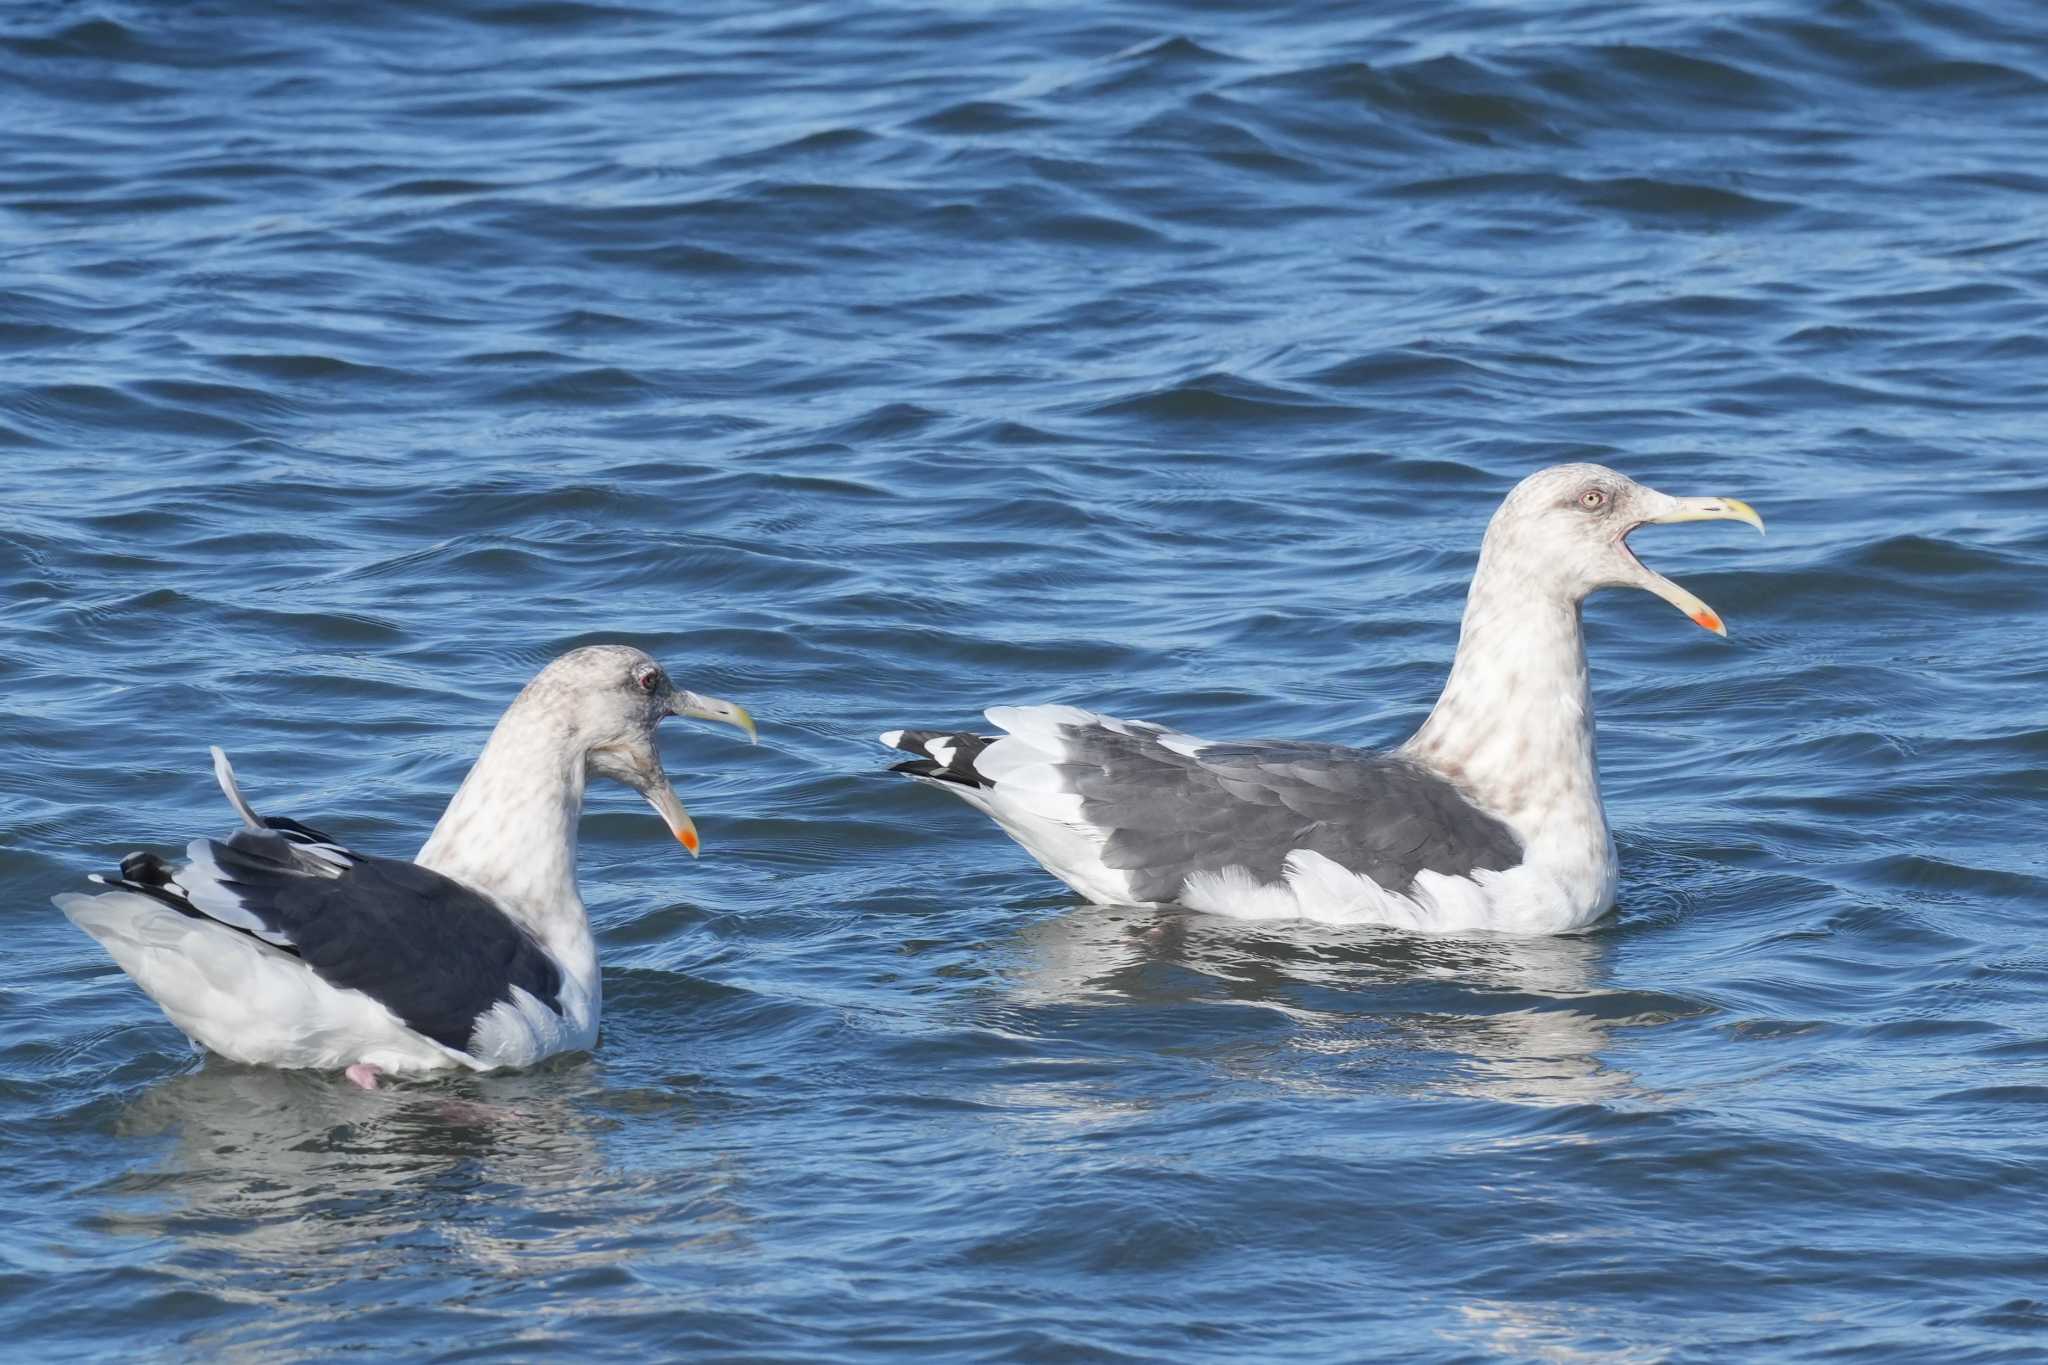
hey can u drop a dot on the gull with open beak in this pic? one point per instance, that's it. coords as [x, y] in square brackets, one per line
[281, 947]
[1488, 818]
[634, 761]
[1647, 506]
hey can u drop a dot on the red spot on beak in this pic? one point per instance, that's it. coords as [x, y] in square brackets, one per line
[688, 839]
[1706, 620]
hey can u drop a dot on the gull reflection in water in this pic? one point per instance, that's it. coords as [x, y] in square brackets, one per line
[285, 1188]
[1520, 1020]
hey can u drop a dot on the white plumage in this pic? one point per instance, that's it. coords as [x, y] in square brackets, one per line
[1488, 818]
[277, 946]
[228, 993]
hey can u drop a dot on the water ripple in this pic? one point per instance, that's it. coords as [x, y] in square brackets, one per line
[878, 364]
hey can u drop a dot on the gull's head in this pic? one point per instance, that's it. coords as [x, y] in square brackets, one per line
[607, 701]
[1566, 529]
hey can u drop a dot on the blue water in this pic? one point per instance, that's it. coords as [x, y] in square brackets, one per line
[873, 364]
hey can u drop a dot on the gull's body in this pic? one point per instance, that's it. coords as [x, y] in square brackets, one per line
[1488, 818]
[279, 947]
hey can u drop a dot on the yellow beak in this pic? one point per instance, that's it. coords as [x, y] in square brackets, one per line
[1698, 509]
[661, 795]
[699, 707]
[1712, 509]
[670, 808]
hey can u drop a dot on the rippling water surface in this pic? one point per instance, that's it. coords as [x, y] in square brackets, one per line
[874, 364]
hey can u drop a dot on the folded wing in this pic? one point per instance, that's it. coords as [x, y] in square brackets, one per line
[1157, 807]
[440, 956]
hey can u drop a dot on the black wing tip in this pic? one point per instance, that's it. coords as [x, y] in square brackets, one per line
[148, 875]
[285, 825]
[144, 869]
[942, 755]
[929, 769]
[910, 741]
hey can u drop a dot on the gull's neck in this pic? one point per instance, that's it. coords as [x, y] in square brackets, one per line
[1514, 726]
[510, 831]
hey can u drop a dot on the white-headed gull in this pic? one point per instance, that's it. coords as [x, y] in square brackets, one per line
[279, 947]
[1488, 818]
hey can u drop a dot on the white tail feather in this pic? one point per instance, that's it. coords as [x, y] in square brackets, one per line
[224, 773]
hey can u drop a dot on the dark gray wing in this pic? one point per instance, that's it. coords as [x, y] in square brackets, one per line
[1174, 811]
[435, 953]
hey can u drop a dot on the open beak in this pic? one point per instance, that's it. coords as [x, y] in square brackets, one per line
[655, 785]
[1693, 509]
[662, 796]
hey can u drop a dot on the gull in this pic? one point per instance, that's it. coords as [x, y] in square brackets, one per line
[277, 946]
[1488, 818]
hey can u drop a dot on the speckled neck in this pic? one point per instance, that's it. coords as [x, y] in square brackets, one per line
[510, 831]
[1514, 725]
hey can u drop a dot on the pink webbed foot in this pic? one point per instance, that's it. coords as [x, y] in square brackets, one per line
[364, 1074]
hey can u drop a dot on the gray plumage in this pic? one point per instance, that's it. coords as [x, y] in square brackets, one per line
[1168, 815]
[1488, 817]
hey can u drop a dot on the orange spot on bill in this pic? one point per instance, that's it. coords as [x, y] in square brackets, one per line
[1706, 620]
[688, 839]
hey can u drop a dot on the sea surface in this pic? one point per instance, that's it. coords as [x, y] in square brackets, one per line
[872, 364]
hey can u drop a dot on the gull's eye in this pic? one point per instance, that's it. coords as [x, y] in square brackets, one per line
[1593, 499]
[647, 679]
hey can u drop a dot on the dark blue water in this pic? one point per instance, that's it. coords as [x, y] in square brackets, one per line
[872, 365]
